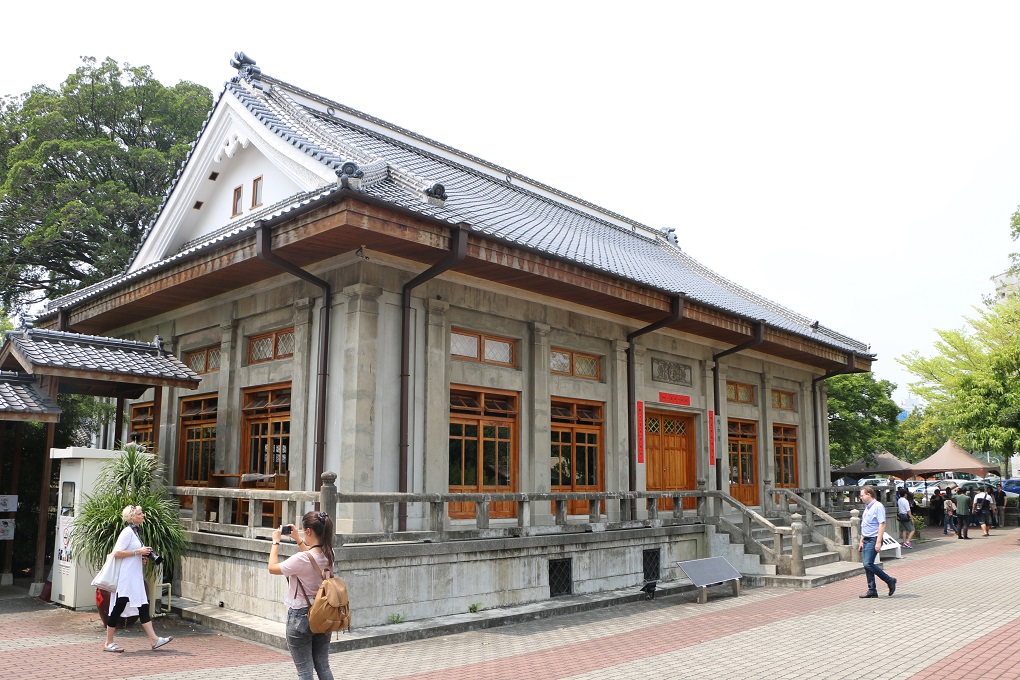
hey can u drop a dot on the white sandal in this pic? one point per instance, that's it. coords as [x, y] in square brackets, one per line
[113, 648]
[160, 642]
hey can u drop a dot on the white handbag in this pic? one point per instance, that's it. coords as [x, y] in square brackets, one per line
[107, 577]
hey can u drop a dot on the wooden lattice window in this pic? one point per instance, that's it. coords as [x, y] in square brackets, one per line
[482, 447]
[784, 401]
[487, 349]
[238, 202]
[266, 430]
[256, 192]
[740, 393]
[784, 442]
[269, 346]
[141, 423]
[205, 360]
[197, 454]
[576, 442]
[576, 364]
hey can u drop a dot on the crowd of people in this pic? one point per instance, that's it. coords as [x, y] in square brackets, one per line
[958, 510]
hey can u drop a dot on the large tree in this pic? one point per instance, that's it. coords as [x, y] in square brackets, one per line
[925, 430]
[974, 378]
[83, 170]
[862, 417]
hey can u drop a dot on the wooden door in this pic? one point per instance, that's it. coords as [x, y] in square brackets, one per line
[743, 460]
[670, 463]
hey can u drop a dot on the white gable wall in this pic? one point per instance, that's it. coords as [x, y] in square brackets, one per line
[239, 152]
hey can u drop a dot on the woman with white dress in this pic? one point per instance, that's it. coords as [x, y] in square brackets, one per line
[131, 594]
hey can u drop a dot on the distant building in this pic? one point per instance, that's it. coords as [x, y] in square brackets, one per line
[1006, 283]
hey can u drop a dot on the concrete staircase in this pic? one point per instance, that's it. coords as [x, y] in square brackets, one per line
[821, 565]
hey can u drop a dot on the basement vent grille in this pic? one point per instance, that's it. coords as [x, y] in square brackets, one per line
[650, 560]
[561, 581]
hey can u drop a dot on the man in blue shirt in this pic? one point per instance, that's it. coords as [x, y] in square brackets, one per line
[872, 532]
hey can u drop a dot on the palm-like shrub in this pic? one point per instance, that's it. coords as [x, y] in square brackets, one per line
[135, 478]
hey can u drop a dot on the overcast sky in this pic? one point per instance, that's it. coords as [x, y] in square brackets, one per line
[856, 162]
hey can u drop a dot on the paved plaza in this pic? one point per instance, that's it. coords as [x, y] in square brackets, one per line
[956, 614]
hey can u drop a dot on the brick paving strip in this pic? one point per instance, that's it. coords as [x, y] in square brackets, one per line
[766, 632]
[613, 652]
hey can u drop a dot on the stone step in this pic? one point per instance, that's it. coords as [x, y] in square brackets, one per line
[818, 559]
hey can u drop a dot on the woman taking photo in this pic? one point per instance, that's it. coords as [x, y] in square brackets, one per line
[130, 581]
[304, 572]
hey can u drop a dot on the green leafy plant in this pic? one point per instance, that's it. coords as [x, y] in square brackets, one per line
[135, 478]
[396, 618]
[473, 608]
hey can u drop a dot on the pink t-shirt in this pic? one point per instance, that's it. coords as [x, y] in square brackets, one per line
[299, 569]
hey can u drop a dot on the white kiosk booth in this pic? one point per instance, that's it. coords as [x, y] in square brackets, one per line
[72, 578]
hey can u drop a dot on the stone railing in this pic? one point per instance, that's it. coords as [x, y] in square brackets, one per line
[791, 564]
[847, 532]
[211, 509]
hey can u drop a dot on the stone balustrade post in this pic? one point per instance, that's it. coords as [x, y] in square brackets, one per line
[652, 504]
[702, 500]
[327, 495]
[855, 535]
[482, 515]
[797, 546]
[769, 501]
[386, 515]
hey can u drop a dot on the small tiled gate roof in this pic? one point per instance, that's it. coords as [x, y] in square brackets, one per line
[21, 399]
[100, 366]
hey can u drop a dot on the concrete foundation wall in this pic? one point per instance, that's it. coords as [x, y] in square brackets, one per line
[433, 579]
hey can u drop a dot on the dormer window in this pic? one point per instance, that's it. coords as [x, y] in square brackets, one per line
[256, 192]
[238, 201]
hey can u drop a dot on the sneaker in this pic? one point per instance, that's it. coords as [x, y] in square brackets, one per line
[908, 544]
[161, 641]
[869, 594]
[892, 587]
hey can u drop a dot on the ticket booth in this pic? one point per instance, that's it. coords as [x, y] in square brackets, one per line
[79, 471]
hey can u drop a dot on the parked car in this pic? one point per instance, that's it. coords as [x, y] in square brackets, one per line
[1011, 487]
[874, 481]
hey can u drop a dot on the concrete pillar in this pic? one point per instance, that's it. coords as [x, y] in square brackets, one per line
[358, 396]
[535, 461]
[228, 406]
[617, 424]
[766, 448]
[301, 462]
[805, 434]
[436, 455]
[722, 448]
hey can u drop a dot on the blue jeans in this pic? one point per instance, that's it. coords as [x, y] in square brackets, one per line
[948, 525]
[871, 570]
[309, 650]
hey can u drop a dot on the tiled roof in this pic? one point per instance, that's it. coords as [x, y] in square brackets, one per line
[21, 397]
[56, 351]
[402, 168]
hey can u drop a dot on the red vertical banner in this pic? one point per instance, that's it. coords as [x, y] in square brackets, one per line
[711, 437]
[639, 427]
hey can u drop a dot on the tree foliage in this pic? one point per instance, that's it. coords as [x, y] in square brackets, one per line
[83, 170]
[973, 380]
[924, 432]
[862, 418]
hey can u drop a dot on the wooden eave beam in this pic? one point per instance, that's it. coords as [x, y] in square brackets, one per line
[18, 416]
[345, 225]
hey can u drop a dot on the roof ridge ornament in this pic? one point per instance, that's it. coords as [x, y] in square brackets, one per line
[347, 171]
[246, 68]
